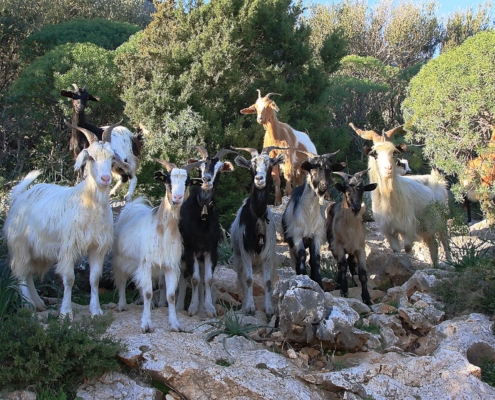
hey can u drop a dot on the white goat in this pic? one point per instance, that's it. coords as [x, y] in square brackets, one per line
[148, 243]
[400, 204]
[253, 233]
[50, 224]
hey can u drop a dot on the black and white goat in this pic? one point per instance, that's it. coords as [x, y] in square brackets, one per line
[201, 232]
[127, 145]
[55, 225]
[253, 234]
[148, 244]
[303, 221]
[345, 231]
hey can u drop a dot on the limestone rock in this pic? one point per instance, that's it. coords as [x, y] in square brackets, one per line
[398, 268]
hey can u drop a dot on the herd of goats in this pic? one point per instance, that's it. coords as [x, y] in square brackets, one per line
[177, 241]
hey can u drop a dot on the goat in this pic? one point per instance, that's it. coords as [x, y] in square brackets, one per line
[303, 222]
[148, 242]
[124, 143]
[400, 203]
[201, 233]
[345, 231]
[50, 224]
[282, 135]
[253, 233]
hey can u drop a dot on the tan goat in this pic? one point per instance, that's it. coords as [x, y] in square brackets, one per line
[280, 134]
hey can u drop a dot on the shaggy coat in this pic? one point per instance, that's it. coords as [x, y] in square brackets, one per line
[303, 221]
[405, 206]
[50, 224]
[148, 242]
[282, 135]
[253, 234]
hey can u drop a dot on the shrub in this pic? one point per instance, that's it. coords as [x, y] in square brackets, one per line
[54, 356]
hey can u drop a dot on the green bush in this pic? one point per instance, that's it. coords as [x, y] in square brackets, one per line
[101, 32]
[55, 356]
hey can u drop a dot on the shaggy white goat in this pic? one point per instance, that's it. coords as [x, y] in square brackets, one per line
[148, 243]
[400, 204]
[50, 224]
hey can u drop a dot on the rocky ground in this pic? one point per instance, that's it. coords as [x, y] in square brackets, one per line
[319, 346]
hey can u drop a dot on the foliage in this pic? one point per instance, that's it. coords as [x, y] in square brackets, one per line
[396, 33]
[466, 23]
[35, 136]
[101, 32]
[488, 371]
[471, 288]
[10, 293]
[197, 64]
[450, 105]
[56, 355]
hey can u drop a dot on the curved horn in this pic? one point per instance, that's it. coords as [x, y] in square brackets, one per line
[168, 165]
[252, 151]
[360, 174]
[190, 167]
[328, 155]
[268, 149]
[201, 149]
[85, 87]
[223, 152]
[368, 135]
[259, 93]
[398, 129]
[267, 96]
[308, 153]
[342, 174]
[89, 135]
[76, 88]
[107, 134]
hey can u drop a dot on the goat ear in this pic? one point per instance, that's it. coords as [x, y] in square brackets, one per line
[249, 110]
[372, 153]
[81, 159]
[306, 165]
[370, 187]
[242, 162]
[66, 93]
[122, 164]
[94, 98]
[340, 187]
[227, 167]
[274, 106]
[339, 166]
[161, 177]
[401, 147]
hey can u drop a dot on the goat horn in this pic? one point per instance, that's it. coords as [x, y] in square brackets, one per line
[328, 155]
[342, 174]
[308, 153]
[360, 174]
[267, 96]
[190, 167]
[368, 135]
[252, 151]
[223, 152]
[398, 129]
[168, 165]
[259, 93]
[201, 149]
[76, 88]
[85, 87]
[89, 135]
[268, 149]
[107, 134]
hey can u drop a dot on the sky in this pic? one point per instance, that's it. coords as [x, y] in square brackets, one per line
[446, 6]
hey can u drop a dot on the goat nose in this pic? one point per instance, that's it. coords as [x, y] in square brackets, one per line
[106, 178]
[258, 178]
[177, 198]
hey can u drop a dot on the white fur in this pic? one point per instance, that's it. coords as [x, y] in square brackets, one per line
[148, 243]
[399, 203]
[50, 224]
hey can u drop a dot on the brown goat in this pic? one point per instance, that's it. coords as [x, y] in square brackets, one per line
[280, 134]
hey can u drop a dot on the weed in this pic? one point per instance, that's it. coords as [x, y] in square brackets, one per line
[10, 293]
[56, 356]
[328, 269]
[488, 372]
[370, 328]
[223, 362]
[224, 249]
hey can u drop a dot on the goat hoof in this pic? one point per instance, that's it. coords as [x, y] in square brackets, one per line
[147, 327]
